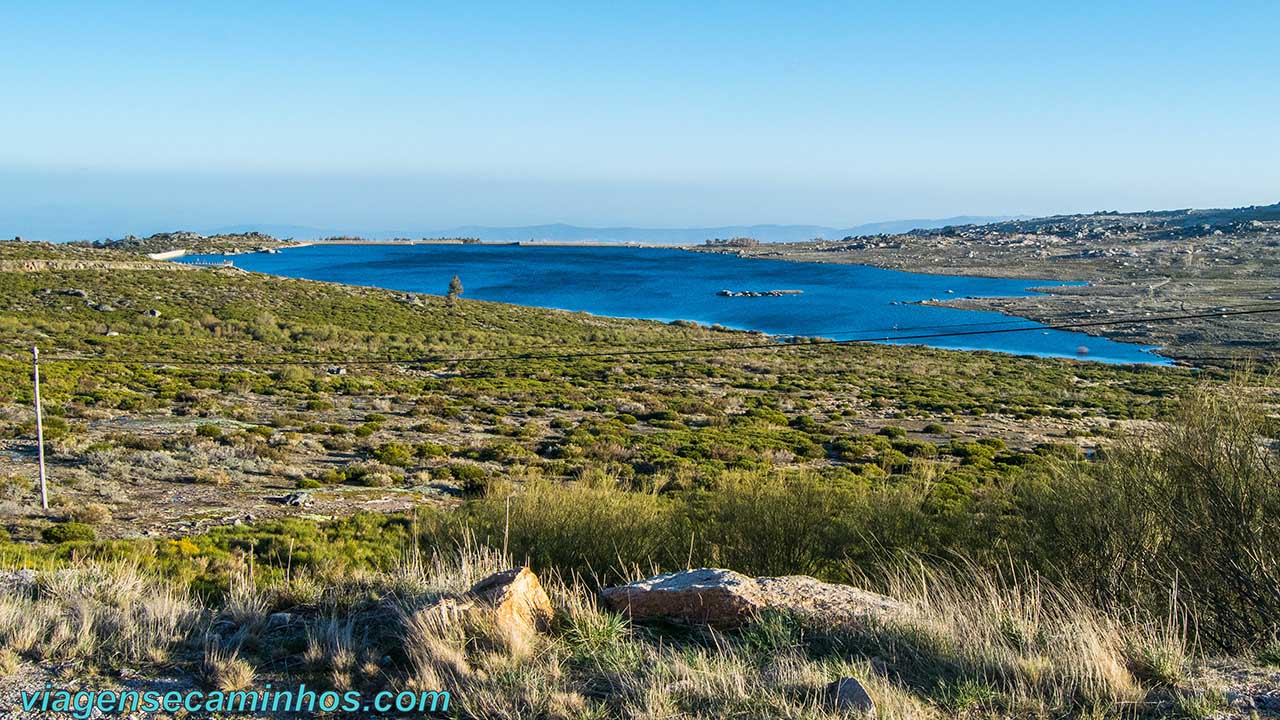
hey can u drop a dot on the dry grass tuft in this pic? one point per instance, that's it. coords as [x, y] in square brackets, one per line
[9, 662]
[107, 615]
[223, 669]
[90, 514]
[969, 637]
[331, 648]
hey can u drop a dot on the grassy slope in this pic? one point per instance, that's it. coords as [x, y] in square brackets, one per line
[125, 432]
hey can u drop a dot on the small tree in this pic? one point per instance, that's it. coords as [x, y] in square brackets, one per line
[455, 291]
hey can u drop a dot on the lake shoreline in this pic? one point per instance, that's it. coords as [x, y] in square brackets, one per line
[659, 284]
[1021, 307]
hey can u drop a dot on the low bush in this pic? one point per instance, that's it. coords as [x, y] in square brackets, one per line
[395, 454]
[212, 432]
[68, 532]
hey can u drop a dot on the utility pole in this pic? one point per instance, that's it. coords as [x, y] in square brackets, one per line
[506, 529]
[35, 364]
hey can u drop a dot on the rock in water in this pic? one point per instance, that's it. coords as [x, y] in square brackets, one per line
[519, 604]
[723, 598]
[848, 696]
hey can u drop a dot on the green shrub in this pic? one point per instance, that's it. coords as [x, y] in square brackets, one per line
[68, 532]
[331, 477]
[430, 450]
[473, 479]
[767, 416]
[369, 475]
[212, 432]
[395, 454]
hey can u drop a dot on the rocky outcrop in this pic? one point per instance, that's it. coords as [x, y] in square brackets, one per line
[758, 293]
[509, 608]
[40, 265]
[805, 595]
[724, 598]
[517, 599]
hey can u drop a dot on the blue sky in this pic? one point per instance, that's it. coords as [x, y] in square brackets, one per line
[135, 117]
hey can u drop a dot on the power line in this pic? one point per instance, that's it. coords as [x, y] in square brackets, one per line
[660, 351]
[876, 333]
[617, 352]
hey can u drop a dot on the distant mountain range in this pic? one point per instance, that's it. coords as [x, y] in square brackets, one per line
[559, 232]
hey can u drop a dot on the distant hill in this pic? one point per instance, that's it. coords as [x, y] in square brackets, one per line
[560, 232]
[297, 232]
[1149, 224]
[1184, 222]
[565, 233]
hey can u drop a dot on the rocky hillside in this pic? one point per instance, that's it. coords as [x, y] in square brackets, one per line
[1156, 263]
[191, 243]
[1149, 225]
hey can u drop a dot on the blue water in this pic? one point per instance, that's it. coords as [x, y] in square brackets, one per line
[842, 302]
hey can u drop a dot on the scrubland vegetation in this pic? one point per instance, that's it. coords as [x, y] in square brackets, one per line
[1071, 539]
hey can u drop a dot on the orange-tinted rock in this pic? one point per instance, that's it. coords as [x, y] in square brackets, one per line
[517, 598]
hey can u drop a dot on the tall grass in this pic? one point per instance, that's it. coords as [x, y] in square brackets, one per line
[1029, 644]
[597, 530]
[109, 615]
[968, 642]
[1190, 508]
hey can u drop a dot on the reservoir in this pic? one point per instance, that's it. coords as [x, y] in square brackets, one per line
[841, 302]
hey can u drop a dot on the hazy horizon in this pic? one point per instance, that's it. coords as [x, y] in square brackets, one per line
[133, 118]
